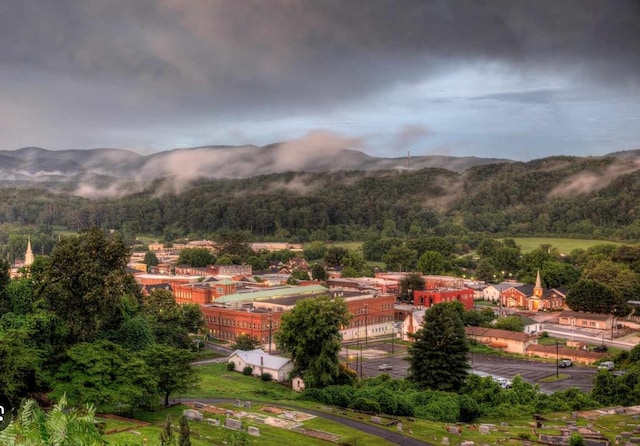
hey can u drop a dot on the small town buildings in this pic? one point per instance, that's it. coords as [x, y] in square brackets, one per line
[493, 292]
[533, 297]
[261, 362]
[430, 297]
[508, 341]
[411, 323]
[597, 321]
[558, 352]
[204, 292]
[257, 313]
[276, 246]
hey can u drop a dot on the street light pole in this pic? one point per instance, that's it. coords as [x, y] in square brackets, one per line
[557, 359]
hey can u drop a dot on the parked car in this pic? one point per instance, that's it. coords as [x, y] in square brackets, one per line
[600, 348]
[503, 382]
[606, 365]
[566, 362]
[385, 367]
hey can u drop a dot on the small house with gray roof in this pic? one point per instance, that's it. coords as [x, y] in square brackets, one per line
[261, 362]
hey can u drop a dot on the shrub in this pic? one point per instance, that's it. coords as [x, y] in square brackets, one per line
[231, 366]
[266, 376]
[248, 370]
[365, 405]
[313, 394]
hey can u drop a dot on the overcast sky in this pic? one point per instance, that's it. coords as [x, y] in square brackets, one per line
[513, 79]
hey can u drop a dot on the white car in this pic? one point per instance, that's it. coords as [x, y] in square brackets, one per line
[503, 382]
[385, 367]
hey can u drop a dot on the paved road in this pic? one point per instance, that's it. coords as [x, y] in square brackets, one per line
[393, 437]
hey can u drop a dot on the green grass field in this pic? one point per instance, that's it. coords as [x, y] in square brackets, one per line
[217, 382]
[564, 245]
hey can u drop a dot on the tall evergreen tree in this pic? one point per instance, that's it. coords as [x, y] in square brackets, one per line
[166, 436]
[185, 432]
[438, 357]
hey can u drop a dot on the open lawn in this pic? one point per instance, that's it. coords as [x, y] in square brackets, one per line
[564, 245]
[217, 382]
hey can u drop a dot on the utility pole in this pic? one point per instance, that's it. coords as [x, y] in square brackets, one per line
[366, 323]
[270, 324]
[557, 361]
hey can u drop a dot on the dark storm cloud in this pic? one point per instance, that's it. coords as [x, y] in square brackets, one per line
[121, 72]
[270, 51]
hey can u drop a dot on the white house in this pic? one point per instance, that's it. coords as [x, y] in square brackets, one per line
[262, 362]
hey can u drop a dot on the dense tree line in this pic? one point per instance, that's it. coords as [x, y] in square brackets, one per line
[534, 198]
[76, 323]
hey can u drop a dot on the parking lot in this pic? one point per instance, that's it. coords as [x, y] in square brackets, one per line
[369, 358]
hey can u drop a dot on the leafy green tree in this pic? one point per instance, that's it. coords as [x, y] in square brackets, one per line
[60, 426]
[300, 274]
[196, 257]
[511, 323]
[318, 272]
[166, 319]
[478, 318]
[171, 369]
[20, 365]
[375, 249]
[86, 283]
[400, 258]
[185, 432]
[336, 256]
[246, 342]
[311, 334]
[438, 357]
[559, 274]
[591, 295]
[349, 271]
[104, 374]
[315, 250]
[150, 259]
[257, 263]
[411, 283]
[234, 243]
[191, 317]
[4, 281]
[134, 334]
[21, 296]
[431, 262]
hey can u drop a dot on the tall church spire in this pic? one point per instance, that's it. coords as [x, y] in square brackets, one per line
[28, 256]
[537, 289]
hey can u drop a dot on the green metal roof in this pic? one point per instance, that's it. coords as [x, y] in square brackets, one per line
[271, 293]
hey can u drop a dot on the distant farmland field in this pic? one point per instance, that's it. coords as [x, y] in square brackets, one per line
[565, 245]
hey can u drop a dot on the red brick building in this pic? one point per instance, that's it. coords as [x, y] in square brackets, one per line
[429, 298]
[204, 292]
[259, 316]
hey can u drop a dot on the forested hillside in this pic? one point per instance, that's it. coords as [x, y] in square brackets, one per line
[581, 197]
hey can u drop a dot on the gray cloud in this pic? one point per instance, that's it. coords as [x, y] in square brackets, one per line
[108, 65]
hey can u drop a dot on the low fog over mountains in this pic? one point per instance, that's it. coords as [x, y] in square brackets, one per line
[102, 173]
[183, 165]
